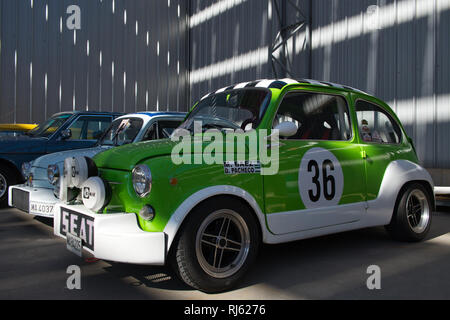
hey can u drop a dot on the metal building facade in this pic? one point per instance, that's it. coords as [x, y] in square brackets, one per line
[168, 53]
[127, 56]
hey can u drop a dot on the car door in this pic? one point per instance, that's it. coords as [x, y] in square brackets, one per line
[85, 131]
[381, 140]
[321, 177]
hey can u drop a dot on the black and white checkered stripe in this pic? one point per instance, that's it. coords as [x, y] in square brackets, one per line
[279, 84]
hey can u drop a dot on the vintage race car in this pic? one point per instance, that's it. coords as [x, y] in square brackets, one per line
[40, 193]
[268, 161]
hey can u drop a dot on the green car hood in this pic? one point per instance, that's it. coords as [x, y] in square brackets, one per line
[126, 157]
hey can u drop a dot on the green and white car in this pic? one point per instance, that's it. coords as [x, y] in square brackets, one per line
[342, 161]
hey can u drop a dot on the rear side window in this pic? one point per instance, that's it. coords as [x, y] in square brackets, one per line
[317, 116]
[375, 125]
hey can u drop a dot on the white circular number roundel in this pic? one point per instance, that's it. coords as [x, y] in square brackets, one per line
[320, 179]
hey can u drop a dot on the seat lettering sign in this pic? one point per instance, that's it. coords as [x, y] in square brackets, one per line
[78, 225]
[320, 179]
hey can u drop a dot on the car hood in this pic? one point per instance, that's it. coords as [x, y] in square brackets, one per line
[20, 143]
[40, 165]
[126, 157]
[59, 157]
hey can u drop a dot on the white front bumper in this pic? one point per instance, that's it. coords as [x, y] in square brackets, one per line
[41, 201]
[116, 237]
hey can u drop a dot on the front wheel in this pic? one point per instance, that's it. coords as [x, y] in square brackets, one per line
[7, 178]
[412, 216]
[216, 245]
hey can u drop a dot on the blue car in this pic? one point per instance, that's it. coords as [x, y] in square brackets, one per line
[63, 131]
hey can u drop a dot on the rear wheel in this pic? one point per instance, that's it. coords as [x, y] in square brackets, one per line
[412, 217]
[216, 245]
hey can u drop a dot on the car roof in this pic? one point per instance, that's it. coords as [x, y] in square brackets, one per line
[89, 112]
[281, 83]
[162, 113]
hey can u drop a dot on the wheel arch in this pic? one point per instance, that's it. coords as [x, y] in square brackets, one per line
[398, 175]
[428, 187]
[12, 166]
[181, 214]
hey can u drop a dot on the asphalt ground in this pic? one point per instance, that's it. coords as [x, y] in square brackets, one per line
[33, 265]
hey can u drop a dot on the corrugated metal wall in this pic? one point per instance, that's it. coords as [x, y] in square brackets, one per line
[231, 40]
[129, 55]
[397, 50]
[398, 53]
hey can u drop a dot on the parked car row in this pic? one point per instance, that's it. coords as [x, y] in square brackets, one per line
[329, 158]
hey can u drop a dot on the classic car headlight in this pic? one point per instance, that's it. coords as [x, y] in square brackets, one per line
[53, 174]
[26, 169]
[142, 180]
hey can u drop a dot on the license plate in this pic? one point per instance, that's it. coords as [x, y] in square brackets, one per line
[41, 208]
[74, 244]
[75, 224]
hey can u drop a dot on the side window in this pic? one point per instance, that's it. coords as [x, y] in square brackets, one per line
[375, 125]
[165, 128]
[89, 127]
[161, 129]
[317, 116]
[151, 133]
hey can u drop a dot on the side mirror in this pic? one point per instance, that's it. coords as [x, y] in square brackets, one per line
[66, 134]
[286, 129]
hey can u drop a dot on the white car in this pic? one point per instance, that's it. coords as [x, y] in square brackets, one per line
[40, 193]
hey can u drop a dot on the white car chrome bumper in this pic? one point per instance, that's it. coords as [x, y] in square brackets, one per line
[114, 237]
[36, 201]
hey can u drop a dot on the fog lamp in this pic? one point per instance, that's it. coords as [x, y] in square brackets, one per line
[147, 213]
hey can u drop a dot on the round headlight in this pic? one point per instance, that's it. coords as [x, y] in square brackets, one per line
[142, 180]
[26, 169]
[53, 174]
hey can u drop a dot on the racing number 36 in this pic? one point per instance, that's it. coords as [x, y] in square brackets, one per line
[320, 179]
[328, 184]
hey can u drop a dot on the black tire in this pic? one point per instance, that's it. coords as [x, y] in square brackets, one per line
[191, 257]
[7, 178]
[412, 215]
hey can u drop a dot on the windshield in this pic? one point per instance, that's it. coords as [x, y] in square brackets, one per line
[234, 109]
[49, 127]
[121, 131]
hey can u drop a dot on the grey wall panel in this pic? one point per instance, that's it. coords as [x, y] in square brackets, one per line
[219, 43]
[399, 62]
[8, 47]
[74, 70]
[442, 90]
[24, 54]
[106, 47]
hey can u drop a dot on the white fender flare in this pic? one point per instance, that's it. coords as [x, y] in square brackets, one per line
[397, 174]
[183, 210]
